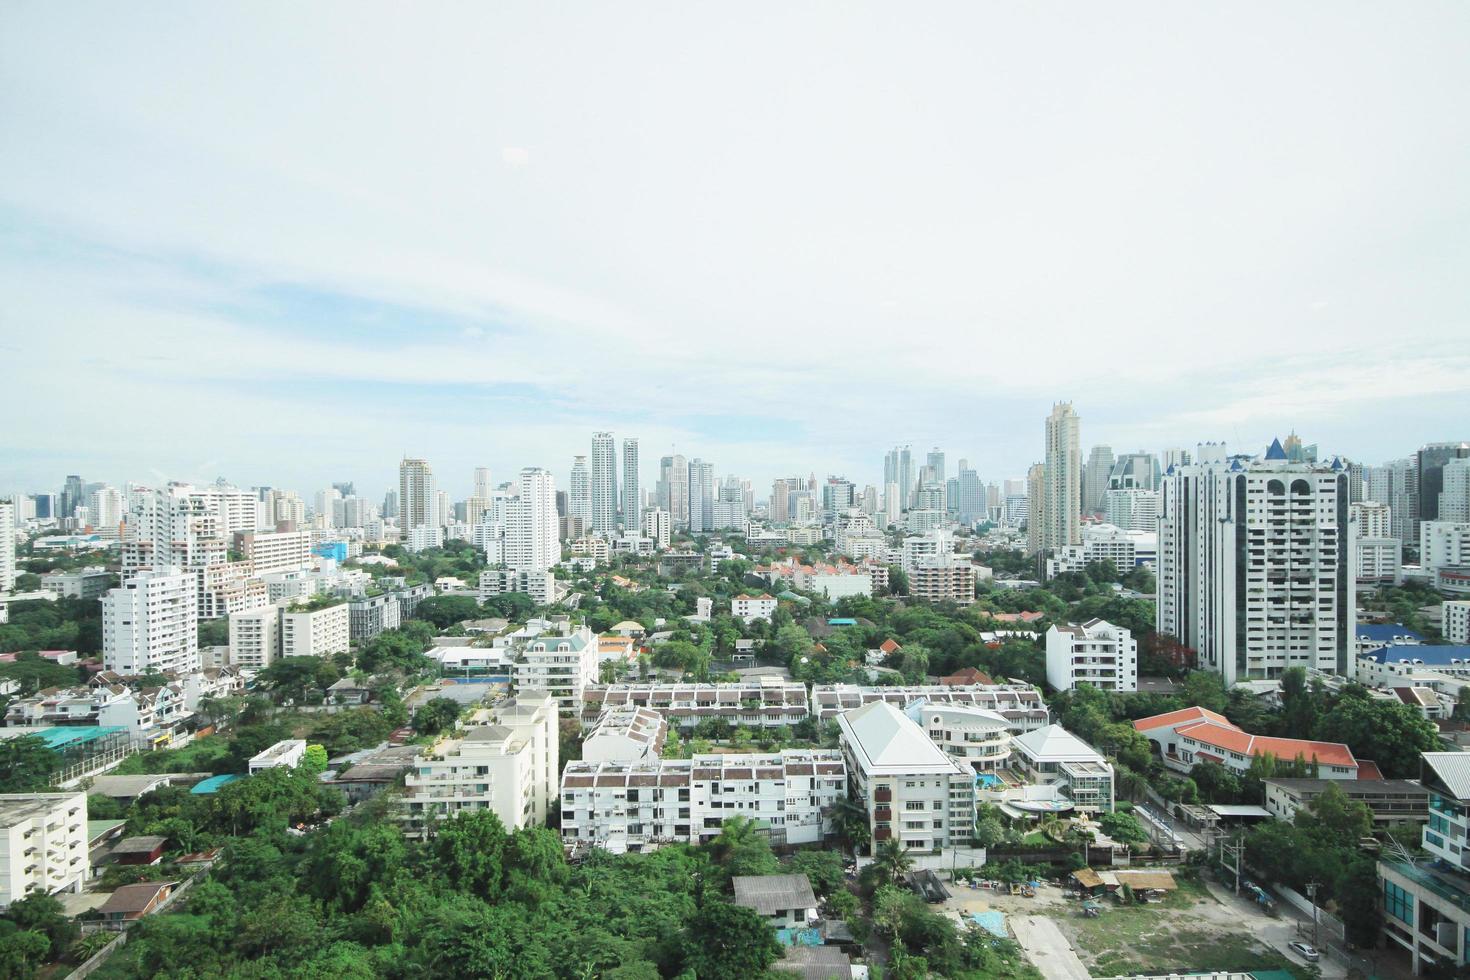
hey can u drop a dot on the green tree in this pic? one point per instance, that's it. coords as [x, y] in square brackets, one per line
[468, 850]
[743, 848]
[21, 952]
[437, 715]
[315, 759]
[26, 764]
[1390, 733]
[892, 860]
[727, 942]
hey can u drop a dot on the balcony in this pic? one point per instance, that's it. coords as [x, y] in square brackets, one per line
[883, 795]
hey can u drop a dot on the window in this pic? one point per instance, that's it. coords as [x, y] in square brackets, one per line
[1398, 903]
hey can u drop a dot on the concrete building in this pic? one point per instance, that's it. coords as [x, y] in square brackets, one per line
[7, 546]
[749, 608]
[1061, 519]
[604, 485]
[558, 666]
[44, 849]
[152, 623]
[531, 541]
[625, 734]
[656, 527]
[1426, 901]
[673, 490]
[507, 761]
[971, 736]
[1456, 621]
[417, 495]
[943, 578]
[762, 702]
[1454, 496]
[1256, 564]
[315, 632]
[1192, 735]
[632, 806]
[1124, 549]
[1095, 478]
[1053, 756]
[579, 492]
[912, 791]
[285, 754]
[784, 901]
[1020, 704]
[367, 616]
[255, 637]
[632, 489]
[1444, 544]
[1391, 801]
[82, 583]
[1132, 509]
[1095, 652]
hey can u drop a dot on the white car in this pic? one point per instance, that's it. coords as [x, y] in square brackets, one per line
[1306, 951]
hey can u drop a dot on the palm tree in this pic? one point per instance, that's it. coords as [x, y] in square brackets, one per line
[893, 860]
[850, 820]
[736, 833]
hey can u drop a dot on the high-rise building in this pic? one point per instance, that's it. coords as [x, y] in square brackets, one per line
[604, 485]
[935, 462]
[416, 494]
[1035, 507]
[673, 489]
[105, 505]
[1062, 478]
[1134, 471]
[531, 543]
[890, 467]
[892, 503]
[151, 624]
[390, 505]
[483, 486]
[701, 496]
[1396, 483]
[632, 488]
[1431, 463]
[1175, 458]
[1095, 478]
[907, 478]
[7, 546]
[326, 507]
[579, 492]
[72, 496]
[1256, 567]
[656, 526]
[1454, 497]
[779, 509]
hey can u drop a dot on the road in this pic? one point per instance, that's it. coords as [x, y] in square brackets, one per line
[1047, 948]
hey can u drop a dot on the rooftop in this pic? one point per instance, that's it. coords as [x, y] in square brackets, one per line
[1055, 743]
[771, 894]
[885, 740]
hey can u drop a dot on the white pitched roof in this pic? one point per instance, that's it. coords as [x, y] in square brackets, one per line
[886, 741]
[1055, 743]
[1453, 769]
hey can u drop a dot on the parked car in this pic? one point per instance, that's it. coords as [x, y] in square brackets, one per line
[1306, 951]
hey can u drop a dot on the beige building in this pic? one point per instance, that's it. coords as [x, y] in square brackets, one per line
[45, 844]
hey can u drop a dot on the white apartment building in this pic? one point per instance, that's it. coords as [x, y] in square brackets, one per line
[45, 843]
[943, 578]
[971, 736]
[507, 761]
[255, 638]
[1095, 652]
[749, 608]
[632, 494]
[315, 632]
[1372, 519]
[7, 546]
[604, 485]
[1257, 564]
[417, 497]
[1456, 621]
[1379, 561]
[760, 702]
[275, 551]
[632, 806]
[1020, 704]
[1131, 509]
[152, 624]
[531, 540]
[82, 583]
[912, 790]
[285, 754]
[1053, 756]
[368, 616]
[561, 666]
[625, 734]
[423, 538]
[540, 586]
[1444, 544]
[1123, 549]
[656, 527]
[1060, 518]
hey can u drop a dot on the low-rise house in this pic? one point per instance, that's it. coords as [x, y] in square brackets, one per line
[760, 702]
[287, 753]
[1219, 741]
[128, 787]
[131, 902]
[749, 608]
[349, 691]
[1390, 800]
[1020, 704]
[625, 734]
[785, 901]
[139, 850]
[1054, 756]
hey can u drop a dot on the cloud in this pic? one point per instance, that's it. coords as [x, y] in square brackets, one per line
[515, 156]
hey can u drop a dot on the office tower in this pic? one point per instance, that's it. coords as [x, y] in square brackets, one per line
[346, 488]
[837, 495]
[907, 478]
[7, 546]
[326, 507]
[356, 512]
[1454, 498]
[632, 494]
[1256, 564]
[390, 505]
[531, 543]
[1174, 458]
[890, 467]
[673, 489]
[47, 506]
[150, 624]
[1035, 507]
[892, 503]
[870, 500]
[779, 510]
[701, 496]
[1062, 476]
[72, 496]
[483, 486]
[1296, 452]
[935, 462]
[1431, 463]
[730, 509]
[1095, 478]
[1396, 483]
[604, 485]
[969, 502]
[579, 491]
[415, 494]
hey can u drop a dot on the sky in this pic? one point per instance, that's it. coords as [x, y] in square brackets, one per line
[288, 243]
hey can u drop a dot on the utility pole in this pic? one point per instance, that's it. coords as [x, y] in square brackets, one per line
[1234, 850]
[1312, 887]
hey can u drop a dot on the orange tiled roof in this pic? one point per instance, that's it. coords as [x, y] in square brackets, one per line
[1232, 739]
[1169, 718]
[889, 645]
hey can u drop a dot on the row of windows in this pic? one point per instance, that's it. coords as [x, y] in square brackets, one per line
[1398, 903]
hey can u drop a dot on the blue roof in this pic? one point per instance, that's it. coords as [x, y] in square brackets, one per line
[213, 784]
[841, 622]
[61, 737]
[1275, 451]
[1433, 656]
[1386, 632]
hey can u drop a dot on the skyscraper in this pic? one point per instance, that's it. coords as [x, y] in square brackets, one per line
[7, 545]
[970, 502]
[907, 478]
[935, 462]
[673, 489]
[1432, 459]
[531, 543]
[1062, 477]
[579, 492]
[1134, 471]
[1256, 564]
[1095, 477]
[701, 496]
[482, 482]
[632, 494]
[72, 496]
[415, 494]
[1454, 498]
[890, 466]
[1035, 507]
[604, 485]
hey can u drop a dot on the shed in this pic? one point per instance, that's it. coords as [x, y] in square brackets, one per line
[1146, 880]
[1088, 879]
[128, 787]
[139, 850]
[815, 963]
[784, 899]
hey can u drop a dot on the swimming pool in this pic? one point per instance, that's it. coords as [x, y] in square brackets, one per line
[988, 780]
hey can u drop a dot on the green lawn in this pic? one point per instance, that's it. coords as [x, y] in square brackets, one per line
[198, 756]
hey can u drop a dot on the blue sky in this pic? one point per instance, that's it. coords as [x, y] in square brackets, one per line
[288, 244]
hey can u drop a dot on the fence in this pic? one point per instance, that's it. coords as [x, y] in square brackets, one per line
[103, 954]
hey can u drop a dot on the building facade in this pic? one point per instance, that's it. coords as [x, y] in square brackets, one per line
[1095, 652]
[151, 624]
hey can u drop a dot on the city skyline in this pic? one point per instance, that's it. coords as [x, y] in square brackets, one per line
[535, 256]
